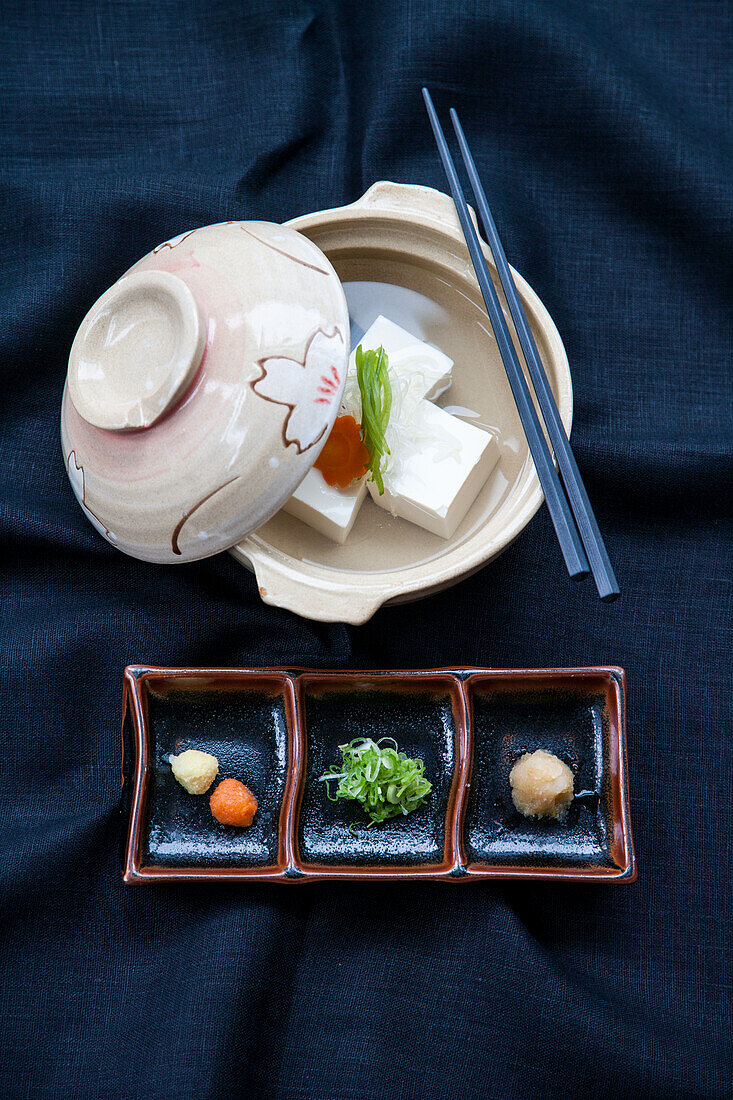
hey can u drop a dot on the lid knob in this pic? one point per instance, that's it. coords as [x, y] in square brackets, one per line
[136, 351]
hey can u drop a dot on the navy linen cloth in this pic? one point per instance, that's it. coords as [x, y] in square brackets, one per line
[602, 132]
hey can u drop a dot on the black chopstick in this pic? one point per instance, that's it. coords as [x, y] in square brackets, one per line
[562, 518]
[593, 544]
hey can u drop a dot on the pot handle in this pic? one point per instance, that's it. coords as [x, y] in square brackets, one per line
[311, 598]
[414, 200]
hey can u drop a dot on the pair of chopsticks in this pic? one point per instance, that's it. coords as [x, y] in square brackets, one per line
[567, 500]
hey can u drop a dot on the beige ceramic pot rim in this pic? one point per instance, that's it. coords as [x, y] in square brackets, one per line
[331, 595]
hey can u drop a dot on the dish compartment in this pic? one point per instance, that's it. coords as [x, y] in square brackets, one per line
[245, 720]
[424, 717]
[279, 730]
[576, 719]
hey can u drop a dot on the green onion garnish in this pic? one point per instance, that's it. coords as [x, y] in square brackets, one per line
[372, 372]
[385, 781]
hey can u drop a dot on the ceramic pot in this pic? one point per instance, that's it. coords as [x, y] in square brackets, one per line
[204, 384]
[407, 237]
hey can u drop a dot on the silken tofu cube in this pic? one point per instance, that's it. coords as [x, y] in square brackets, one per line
[330, 510]
[435, 486]
[426, 369]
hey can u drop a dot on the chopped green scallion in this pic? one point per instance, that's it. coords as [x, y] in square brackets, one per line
[384, 780]
[372, 373]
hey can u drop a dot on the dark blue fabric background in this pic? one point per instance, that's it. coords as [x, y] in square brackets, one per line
[603, 135]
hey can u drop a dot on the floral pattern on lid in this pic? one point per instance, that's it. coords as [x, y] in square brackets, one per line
[308, 389]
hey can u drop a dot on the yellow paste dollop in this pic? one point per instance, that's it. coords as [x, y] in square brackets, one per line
[195, 770]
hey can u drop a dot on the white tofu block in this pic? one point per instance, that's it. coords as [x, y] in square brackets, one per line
[427, 369]
[330, 510]
[436, 486]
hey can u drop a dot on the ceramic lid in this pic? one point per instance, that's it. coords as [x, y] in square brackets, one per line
[202, 387]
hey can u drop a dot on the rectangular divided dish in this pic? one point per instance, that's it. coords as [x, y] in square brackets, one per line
[278, 730]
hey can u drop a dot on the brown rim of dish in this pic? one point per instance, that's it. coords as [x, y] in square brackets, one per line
[454, 867]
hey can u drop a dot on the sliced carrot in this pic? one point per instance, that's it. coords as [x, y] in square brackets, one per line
[233, 804]
[344, 456]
